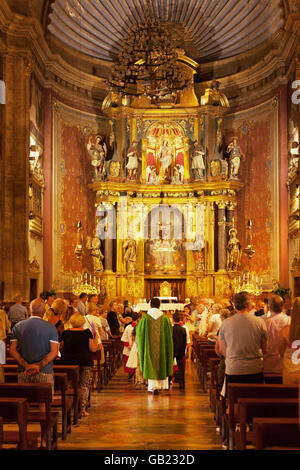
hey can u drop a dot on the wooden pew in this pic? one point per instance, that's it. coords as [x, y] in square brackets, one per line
[119, 352]
[237, 390]
[15, 410]
[1, 432]
[249, 408]
[73, 379]
[276, 432]
[273, 378]
[10, 368]
[63, 402]
[205, 354]
[73, 390]
[213, 363]
[36, 394]
[60, 401]
[108, 351]
[98, 370]
[200, 343]
[116, 353]
[10, 360]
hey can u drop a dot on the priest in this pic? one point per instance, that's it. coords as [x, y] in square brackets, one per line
[155, 347]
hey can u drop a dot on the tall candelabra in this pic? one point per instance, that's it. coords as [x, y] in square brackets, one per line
[87, 283]
[248, 281]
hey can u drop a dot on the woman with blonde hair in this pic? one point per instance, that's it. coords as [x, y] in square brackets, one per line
[55, 313]
[105, 330]
[289, 346]
[76, 346]
[93, 321]
[65, 318]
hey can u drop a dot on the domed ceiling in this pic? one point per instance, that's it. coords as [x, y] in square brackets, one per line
[211, 29]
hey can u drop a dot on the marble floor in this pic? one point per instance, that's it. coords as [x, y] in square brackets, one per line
[122, 418]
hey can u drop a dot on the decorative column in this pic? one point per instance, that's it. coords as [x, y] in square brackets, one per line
[48, 196]
[121, 207]
[221, 236]
[109, 239]
[15, 175]
[230, 216]
[186, 176]
[210, 235]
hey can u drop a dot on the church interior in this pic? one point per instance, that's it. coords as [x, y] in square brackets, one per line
[150, 148]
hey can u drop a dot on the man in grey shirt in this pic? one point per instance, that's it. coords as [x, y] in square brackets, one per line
[17, 312]
[243, 341]
[81, 304]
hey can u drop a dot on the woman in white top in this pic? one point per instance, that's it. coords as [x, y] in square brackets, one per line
[214, 323]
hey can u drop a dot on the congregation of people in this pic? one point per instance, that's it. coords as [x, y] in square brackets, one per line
[251, 338]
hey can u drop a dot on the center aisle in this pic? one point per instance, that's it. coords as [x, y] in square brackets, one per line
[122, 418]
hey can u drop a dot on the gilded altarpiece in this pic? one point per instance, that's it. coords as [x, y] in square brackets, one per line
[161, 213]
[157, 186]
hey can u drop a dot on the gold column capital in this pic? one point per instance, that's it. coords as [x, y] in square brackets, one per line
[231, 205]
[221, 204]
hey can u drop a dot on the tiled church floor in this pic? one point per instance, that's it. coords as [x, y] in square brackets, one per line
[122, 418]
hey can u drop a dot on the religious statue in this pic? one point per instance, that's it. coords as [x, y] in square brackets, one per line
[198, 252]
[151, 176]
[218, 164]
[235, 156]
[165, 157]
[133, 161]
[234, 251]
[114, 168]
[102, 294]
[177, 247]
[163, 254]
[130, 254]
[97, 152]
[178, 174]
[198, 165]
[94, 246]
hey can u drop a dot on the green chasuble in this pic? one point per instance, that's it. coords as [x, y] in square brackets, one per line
[155, 347]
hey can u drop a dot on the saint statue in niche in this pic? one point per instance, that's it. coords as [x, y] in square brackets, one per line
[178, 171]
[198, 165]
[97, 152]
[165, 155]
[133, 158]
[130, 254]
[199, 252]
[178, 174]
[235, 156]
[94, 246]
[233, 251]
[151, 176]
